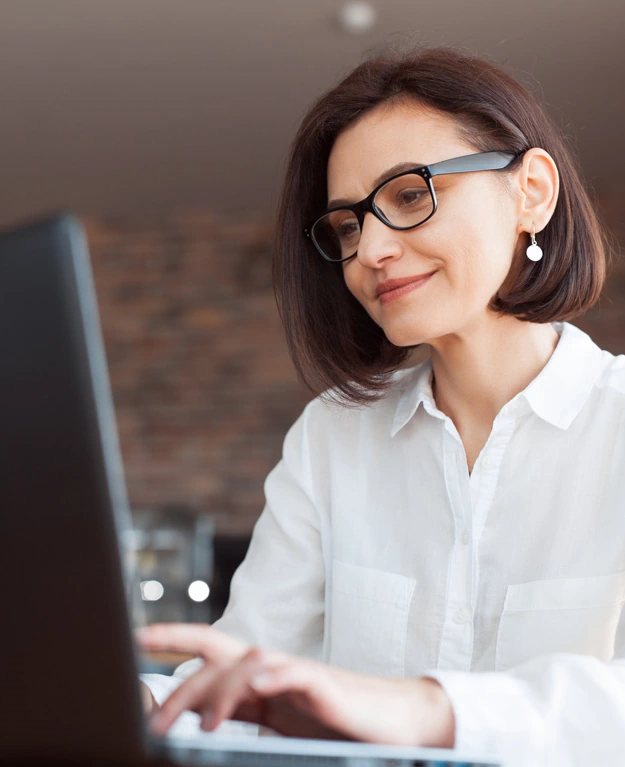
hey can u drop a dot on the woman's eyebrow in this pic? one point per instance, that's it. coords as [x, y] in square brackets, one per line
[399, 168]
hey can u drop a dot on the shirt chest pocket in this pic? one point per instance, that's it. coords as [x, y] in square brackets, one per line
[577, 615]
[368, 619]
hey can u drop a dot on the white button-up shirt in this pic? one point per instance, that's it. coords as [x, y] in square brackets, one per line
[378, 552]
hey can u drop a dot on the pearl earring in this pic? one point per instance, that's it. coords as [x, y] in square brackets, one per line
[534, 251]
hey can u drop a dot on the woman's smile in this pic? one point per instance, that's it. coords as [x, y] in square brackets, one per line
[386, 296]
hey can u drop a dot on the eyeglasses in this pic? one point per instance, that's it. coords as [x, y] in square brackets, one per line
[402, 202]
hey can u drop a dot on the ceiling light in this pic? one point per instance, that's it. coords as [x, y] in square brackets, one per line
[357, 17]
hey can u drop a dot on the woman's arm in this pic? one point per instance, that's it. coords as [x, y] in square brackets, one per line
[556, 710]
[277, 594]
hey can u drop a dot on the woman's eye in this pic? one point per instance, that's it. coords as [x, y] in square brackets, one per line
[408, 196]
[347, 229]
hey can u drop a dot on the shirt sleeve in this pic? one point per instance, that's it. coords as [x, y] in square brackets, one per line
[277, 594]
[556, 710]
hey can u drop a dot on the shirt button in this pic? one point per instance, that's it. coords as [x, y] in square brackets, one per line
[461, 615]
[465, 538]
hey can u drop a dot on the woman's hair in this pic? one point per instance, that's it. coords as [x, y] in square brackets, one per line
[332, 340]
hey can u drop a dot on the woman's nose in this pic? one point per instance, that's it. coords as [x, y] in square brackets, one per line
[378, 242]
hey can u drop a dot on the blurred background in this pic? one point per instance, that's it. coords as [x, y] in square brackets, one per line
[165, 124]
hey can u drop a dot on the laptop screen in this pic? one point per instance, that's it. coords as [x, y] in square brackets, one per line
[68, 669]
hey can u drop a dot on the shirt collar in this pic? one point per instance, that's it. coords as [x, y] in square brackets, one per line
[556, 395]
[417, 385]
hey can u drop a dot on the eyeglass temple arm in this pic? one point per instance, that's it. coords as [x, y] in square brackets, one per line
[479, 161]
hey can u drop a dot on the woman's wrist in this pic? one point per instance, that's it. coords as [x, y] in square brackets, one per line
[438, 729]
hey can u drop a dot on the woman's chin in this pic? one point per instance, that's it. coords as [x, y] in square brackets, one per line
[405, 338]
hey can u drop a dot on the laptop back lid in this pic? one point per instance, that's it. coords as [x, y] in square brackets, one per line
[68, 672]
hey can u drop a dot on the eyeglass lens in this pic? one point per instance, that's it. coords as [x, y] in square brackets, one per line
[404, 202]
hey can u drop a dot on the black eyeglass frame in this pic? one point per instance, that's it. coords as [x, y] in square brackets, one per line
[492, 160]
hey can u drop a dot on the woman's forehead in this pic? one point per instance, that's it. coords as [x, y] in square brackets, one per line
[384, 137]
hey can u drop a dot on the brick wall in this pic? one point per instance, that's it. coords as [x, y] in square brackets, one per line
[203, 386]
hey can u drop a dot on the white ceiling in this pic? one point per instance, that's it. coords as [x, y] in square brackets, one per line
[142, 106]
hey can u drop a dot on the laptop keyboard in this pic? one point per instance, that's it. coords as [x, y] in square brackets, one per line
[190, 757]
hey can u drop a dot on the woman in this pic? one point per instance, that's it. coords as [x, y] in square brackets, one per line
[449, 537]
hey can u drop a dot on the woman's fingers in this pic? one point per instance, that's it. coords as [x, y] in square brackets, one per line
[199, 639]
[260, 686]
[215, 693]
[184, 698]
[231, 689]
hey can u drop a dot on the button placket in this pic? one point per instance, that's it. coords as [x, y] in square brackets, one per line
[482, 490]
[484, 480]
[456, 646]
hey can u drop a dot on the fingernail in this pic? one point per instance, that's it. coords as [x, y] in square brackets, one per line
[262, 681]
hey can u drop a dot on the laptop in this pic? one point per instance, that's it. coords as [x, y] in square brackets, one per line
[69, 679]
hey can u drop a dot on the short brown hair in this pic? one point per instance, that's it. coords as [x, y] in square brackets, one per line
[332, 340]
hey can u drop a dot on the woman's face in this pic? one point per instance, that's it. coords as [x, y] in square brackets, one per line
[467, 246]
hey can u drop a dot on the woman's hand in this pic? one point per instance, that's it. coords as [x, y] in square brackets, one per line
[296, 696]
[218, 650]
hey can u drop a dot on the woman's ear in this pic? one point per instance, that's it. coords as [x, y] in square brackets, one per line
[539, 183]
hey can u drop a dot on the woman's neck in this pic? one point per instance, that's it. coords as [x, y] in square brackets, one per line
[477, 371]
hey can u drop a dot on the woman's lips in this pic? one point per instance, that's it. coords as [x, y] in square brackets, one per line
[392, 295]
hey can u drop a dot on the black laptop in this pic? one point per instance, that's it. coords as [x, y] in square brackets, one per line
[68, 679]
